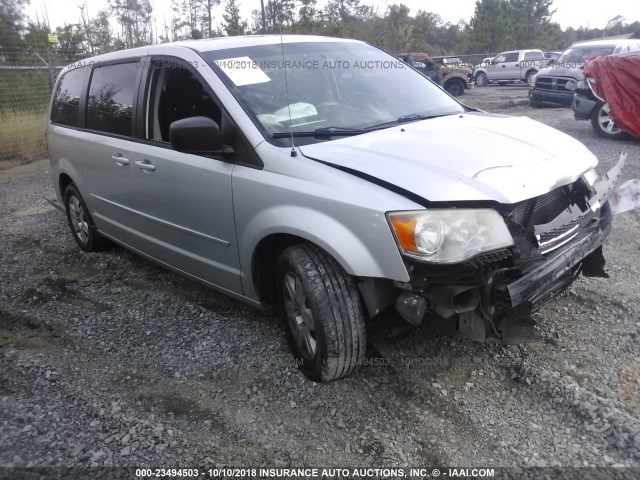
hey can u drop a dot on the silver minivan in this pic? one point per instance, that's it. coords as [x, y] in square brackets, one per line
[327, 178]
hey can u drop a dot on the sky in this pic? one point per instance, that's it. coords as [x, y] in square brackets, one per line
[569, 13]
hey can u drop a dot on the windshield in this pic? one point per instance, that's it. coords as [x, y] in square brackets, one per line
[579, 55]
[336, 85]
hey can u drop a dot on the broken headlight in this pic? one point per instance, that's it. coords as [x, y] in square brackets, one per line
[449, 235]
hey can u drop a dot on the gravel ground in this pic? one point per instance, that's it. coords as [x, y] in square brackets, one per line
[108, 360]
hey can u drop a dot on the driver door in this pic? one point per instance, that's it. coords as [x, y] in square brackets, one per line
[180, 206]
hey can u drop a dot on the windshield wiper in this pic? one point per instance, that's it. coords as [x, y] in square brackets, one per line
[322, 132]
[412, 117]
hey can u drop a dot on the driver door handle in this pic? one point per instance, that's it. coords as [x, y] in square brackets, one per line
[120, 160]
[145, 165]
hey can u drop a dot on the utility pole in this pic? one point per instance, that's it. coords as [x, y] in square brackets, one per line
[264, 18]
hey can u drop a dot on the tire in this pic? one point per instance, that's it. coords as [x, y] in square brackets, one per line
[482, 80]
[528, 76]
[82, 227]
[455, 87]
[602, 123]
[322, 313]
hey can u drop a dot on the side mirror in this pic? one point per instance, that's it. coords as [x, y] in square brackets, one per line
[198, 135]
[552, 60]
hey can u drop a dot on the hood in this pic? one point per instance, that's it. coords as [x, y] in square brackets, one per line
[463, 157]
[559, 70]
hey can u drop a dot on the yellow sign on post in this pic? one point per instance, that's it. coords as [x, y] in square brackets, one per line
[53, 38]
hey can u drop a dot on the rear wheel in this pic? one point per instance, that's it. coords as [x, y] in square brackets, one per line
[322, 313]
[603, 124]
[529, 76]
[82, 227]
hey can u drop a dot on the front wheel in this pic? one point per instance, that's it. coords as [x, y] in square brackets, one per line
[322, 313]
[603, 124]
[481, 79]
[454, 87]
[82, 227]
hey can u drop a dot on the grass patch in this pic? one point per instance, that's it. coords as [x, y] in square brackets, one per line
[22, 137]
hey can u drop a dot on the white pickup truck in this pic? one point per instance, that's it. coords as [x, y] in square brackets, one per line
[513, 66]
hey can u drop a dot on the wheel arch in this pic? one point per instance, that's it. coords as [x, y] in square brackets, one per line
[263, 263]
[459, 80]
[260, 248]
[66, 174]
[64, 181]
[531, 71]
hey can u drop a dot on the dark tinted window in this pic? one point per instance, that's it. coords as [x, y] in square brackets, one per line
[110, 101]
[67, 98]
[533, 56]
[511, 57]
[174, 94]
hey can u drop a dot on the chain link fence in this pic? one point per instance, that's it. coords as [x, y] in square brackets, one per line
[26, 81]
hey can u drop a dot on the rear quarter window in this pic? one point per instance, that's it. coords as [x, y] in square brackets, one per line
[533, 56]
[66, 100]
[111, 96]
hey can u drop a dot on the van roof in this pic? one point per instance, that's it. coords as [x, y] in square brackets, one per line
[223, 43]
[217, 43]
[605, 42]
[209, 44]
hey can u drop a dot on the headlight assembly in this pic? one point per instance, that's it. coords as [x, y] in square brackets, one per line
[449, 235]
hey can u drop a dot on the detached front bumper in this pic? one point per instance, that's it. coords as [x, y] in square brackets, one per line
[584, 247]
[559, 270]
[494, 294]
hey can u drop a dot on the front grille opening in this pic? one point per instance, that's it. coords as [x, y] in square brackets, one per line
[552, 217]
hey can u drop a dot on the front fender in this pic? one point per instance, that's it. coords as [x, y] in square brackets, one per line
[370, 254]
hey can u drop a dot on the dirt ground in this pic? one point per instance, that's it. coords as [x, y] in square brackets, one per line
[109, 360]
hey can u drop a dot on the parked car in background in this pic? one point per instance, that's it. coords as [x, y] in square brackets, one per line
[593, 96]
[552, 56]
[485, 62]
[556, 84]
[451, 61]
[454, 77]
[513, 66]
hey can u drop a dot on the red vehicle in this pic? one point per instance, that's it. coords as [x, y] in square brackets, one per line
[610, 95]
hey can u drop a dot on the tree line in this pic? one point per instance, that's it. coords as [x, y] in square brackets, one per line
[495, 26]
